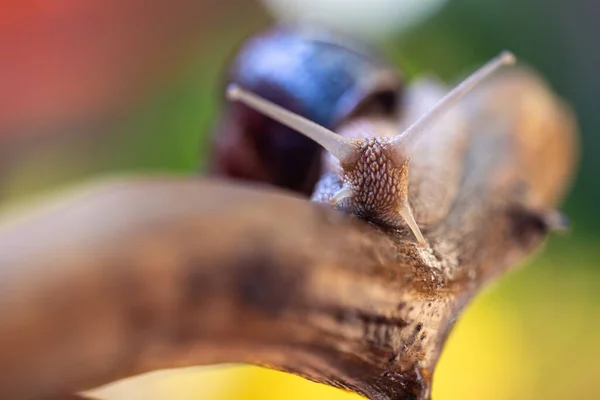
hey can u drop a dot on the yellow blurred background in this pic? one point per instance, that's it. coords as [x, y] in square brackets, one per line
[108, 87]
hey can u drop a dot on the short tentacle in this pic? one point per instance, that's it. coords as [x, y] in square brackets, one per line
[407, 215]
[344, 193]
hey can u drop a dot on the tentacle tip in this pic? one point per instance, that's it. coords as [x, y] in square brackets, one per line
[233, 92]
[508, 58]
[421, 242]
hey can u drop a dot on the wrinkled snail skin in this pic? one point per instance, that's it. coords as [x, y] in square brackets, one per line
[312, 73]
[373, 162]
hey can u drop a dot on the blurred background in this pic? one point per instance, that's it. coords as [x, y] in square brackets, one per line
[95, 88]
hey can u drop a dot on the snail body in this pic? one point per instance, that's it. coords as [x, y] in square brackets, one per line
[372, 157]
[435, 171]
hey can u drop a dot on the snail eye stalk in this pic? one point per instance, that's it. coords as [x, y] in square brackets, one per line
[412, 135]
[341, 148]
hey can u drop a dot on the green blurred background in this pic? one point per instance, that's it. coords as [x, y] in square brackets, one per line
[101, 88]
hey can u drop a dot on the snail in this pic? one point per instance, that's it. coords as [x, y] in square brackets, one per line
[372, 157]
[314, 73]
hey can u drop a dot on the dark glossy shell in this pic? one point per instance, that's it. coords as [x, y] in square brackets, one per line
[312, 74]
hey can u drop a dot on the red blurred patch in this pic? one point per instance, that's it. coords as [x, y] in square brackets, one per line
[69, 59]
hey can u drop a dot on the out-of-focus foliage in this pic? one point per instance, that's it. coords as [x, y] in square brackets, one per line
[356, 17]
[533, 335]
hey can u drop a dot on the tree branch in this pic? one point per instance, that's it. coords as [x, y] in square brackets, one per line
[139, 275]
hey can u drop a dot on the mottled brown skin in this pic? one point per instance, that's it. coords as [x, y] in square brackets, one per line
[379, 182]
